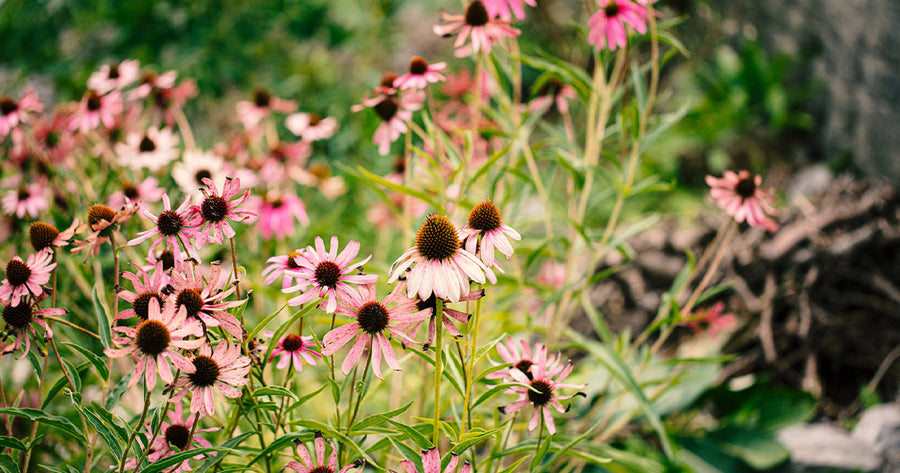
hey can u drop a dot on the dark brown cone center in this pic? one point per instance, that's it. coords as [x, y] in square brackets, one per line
[18, 316]
[745, 187]
[485, 217]
[611, 9]
[262, 98]
[437, 238]
[327, 274]
[147, 145]
[93, 101]
[206, 371]
[418, 66]
[169, 223]
[202, 174]
[152, 337]
[113, 71]
[42, 235]
[130, 191]
[214, 208]
[387, 108]
[544, 392]
[17, 272]
[524, 366]
[477, 14]
[8, 105]
[177, 435]
[141, 304]
[292, 343]
[191, 300]
[373, 317]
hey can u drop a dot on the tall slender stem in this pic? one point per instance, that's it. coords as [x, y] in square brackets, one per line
[470, 369]
[438, 367]
[237, 283]
[134, 431]
[359, 395]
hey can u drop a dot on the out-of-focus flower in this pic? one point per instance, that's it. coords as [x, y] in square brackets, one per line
[607, 25]
[26, 277]
[311, 126]
[277, 213]
[196, 165]
[153, 149]
[23, 319]
[13, 112]
[741, 197]
[506, 8]
[263, 103]
[225, 370]
[711, 320]
[395, 110]
[477, 23]
[553, 93]
[148, 192]
[431, 463]
[114, 76]
[420, 74]
[94, 109]
[27, 199]
[327, 274]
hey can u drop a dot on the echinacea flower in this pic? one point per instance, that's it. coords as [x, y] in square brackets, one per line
[154, 344]
[477, 23]
[420, 74]
[13, 112]
[327, 274]
[293, 349]
[148, 191]
[448, 316]
[211, 217]
[710, 320]
[485, 232]
[102, 222]
[27, 199]
[282, 266]
[53, 137]
[553, 93]
[114, 76]
[277, 213]
[94, 109]
[541, 389]
[153, 149]
[373, 320]
[522, 360]
[263, 103]
[204, 299]
[44, 235]
[306, 464]
[26, 277]
[607, 25]
[174, 227]
[742, 198]
[147, 287]
[22, 317]
[196, 165]
[395, 110]
[505, 8]
[431, 463]
[174, 434]
[311, 126]
[223, 369]
[439, 263]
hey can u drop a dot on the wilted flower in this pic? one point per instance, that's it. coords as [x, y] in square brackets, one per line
[95, 108]
[251, 113]
[43, 235]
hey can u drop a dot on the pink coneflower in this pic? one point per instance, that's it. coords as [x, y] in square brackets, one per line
[26, 277]
[540, 389]
[153, 344]
[553, 93]
[151, 81]
[478, 24]
[439, 263]
[505, 8]
[711, 320]
[12, 112]
[174, 227]
[102, 221]
[431, 463]
[264, 103]
[277, 213]
[420, 74]
[607, 26]
[94, 109]
[27, 199]
[204, 299]
[522, 360]
[211, 217]
[449, 315]
[293, 349]
[53, 137]
[21, 319]
[223, 369]
[114, 76]
[485, 232]
[282, 266]
[147, 287]
[740, 195]
[318, 175]
[395, 110]
[195, 166]
[326, 274]
[306, 465]
[154, 149]
[43, 235]
[173, 435]
[311, 126]
[148, 192]
[373, 321]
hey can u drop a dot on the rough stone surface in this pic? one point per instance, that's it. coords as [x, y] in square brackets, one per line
[818, 446]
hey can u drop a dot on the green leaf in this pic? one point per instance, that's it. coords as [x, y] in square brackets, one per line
[8, 464]
[37, 415]
[275, 391]
[92, 358]
[102, 319]
[489, 394]
[541, 453]
[328, 431]
[761, 450]
[211, 461]
[104, 423]
[515, 464]
[402, 189]
[12, 442]
[412, 434]
[176, 459]
[408, 452]
[474, 437]
[60, 384]
[115, 394]
[379, 418]
[304, 398]
[265, 322]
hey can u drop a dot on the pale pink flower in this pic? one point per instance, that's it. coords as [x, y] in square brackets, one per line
[114, 76]
[318, 175]
[395, 110]
[711, 320]
[173, 434]
[251, 113]
[166, 100]
[522, 360]
[506, 8]
[420, 74]
[485, 232]
[374, 320]
[148, 191]
[26, 277]
[607, 25]
[552, 274]
[327, 274]
[154, 344]
[204, 299]
[147, 286]
[211, 217]
[283, 160]
[150, 82]
[306, 464]
[477, 23]
[440, 265]
[282, 266]
[292, 350]
[225, 370]
[431, 463]
[196, 165]
[742, 198]
[153, 149]
[12, 112]
[23, 318]
[310, 126]
[43, 235]
[172, 227]
[448, 316]
[27, 199]
[541, 389]
[53, 137]
[277, 213]
[95, 109]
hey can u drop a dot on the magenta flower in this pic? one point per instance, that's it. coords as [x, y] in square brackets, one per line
[522, 360]
[607, 26]
[711, 320]
[420, 74]
[22, 318]
[114, 76]
[373, 319]
[293, 349]
[147, 287]
[306, 465]
[477, 23]
[277, 213]
[153, 344]
[203, 299]
[43, 235]
[742, 198]
[282, 266]
[539, 388]
[485, 232]
[28, 199]
[12, 112]
[212, 215]
[95, 109]
[23, 278]
[225, 370]
[439, 263]
[310, 126]
[431, 463]
[505, 8]
[174, 227]
[328, 275]
[173, 434]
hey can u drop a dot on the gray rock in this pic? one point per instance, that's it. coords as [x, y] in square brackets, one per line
[818, 446]
[879, 426]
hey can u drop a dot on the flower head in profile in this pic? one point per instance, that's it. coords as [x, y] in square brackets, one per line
[292, 349]
[742, 197]
[174, 433]
[102, 222]
[485, 232]
[25, 278]
[211, 217]
[114, 76]
[44, 235]
[154, 344]
[224, 369]
[306, 464]
[711, 320]
[311, 126]
[607, 25]
[283, 266]
[448, 316]
[504, 9]
[172, 227]
[554, 93]
[13, 112]
[440, 265]
[204, 299]
[374, 321]
[327, 274]
[431, 463]
[420, 74]
[147, 286]
[23, 320]
[27, 199]
[541, 389]
[477, 23]
[277, 213]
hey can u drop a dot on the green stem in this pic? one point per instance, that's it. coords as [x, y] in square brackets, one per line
[135, 430]
[470, 368]
[438, 367]
[537, 447]
[359, 395]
